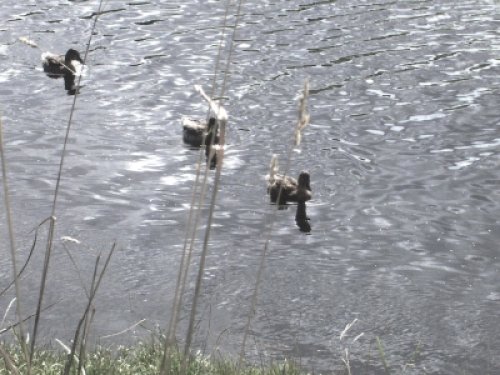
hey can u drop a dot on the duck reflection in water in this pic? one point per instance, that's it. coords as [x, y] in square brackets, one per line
[68, 66]
[301, 218]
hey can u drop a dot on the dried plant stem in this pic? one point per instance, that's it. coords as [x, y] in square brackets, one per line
[96, 282]
[12, 245]
[50, 238]
[303, 120]
[14, 325]
[222, 116]
[231, 49]
[192, 228]
[219, 51]
[204, 252]
[190, 236]
[124, 330]
[183, 267]
[32, 249]
[83, 344]
[262, 263]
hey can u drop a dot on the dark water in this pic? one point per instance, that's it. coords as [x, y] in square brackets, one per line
[403, 151]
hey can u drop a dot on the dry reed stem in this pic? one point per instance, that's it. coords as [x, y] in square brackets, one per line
[123, 331]
[96, 282]
[82, 322]
[14, 325]
[186, 255]
[303, 120]
[32, 249]
[222, 117]
[184, 265]
[12, 244]
[79, 274]
[50, 238]
[304, 117]
[83, 344]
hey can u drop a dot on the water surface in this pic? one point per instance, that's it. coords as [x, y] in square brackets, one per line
[403, 151]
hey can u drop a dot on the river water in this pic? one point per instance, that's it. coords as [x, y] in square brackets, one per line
[403, 151]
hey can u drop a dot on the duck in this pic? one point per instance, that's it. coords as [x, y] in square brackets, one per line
[292, 190]
[59, 65]
[196, 132]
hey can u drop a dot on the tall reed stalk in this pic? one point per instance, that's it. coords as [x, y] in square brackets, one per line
[303, 121]
[83, 322]
[192, 227]
[185, 259]
[222, 117]
[50, 238]
[12, 245]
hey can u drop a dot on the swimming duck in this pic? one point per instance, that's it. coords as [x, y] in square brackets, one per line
[291, 189]
[195, 130]
[58, 65]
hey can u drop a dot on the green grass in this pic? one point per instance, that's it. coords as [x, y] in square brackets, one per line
[141, 359]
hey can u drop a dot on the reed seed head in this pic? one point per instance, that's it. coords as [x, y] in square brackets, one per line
[304, 117]
[273, 168]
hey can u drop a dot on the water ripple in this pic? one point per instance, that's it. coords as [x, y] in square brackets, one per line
[402, 149]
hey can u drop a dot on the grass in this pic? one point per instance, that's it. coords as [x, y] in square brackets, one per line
[143, 359]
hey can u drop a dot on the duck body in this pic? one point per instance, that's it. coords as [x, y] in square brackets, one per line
[291, 189]
[196, 133]
[58, 65]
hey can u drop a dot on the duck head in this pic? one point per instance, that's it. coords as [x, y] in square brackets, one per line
[72, 55]
[304, 180]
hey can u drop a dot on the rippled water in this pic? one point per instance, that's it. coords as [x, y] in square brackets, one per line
[403, 151]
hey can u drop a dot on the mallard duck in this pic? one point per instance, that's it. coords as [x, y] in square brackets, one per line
[291, 189]
[58, 65]
[195, 130]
